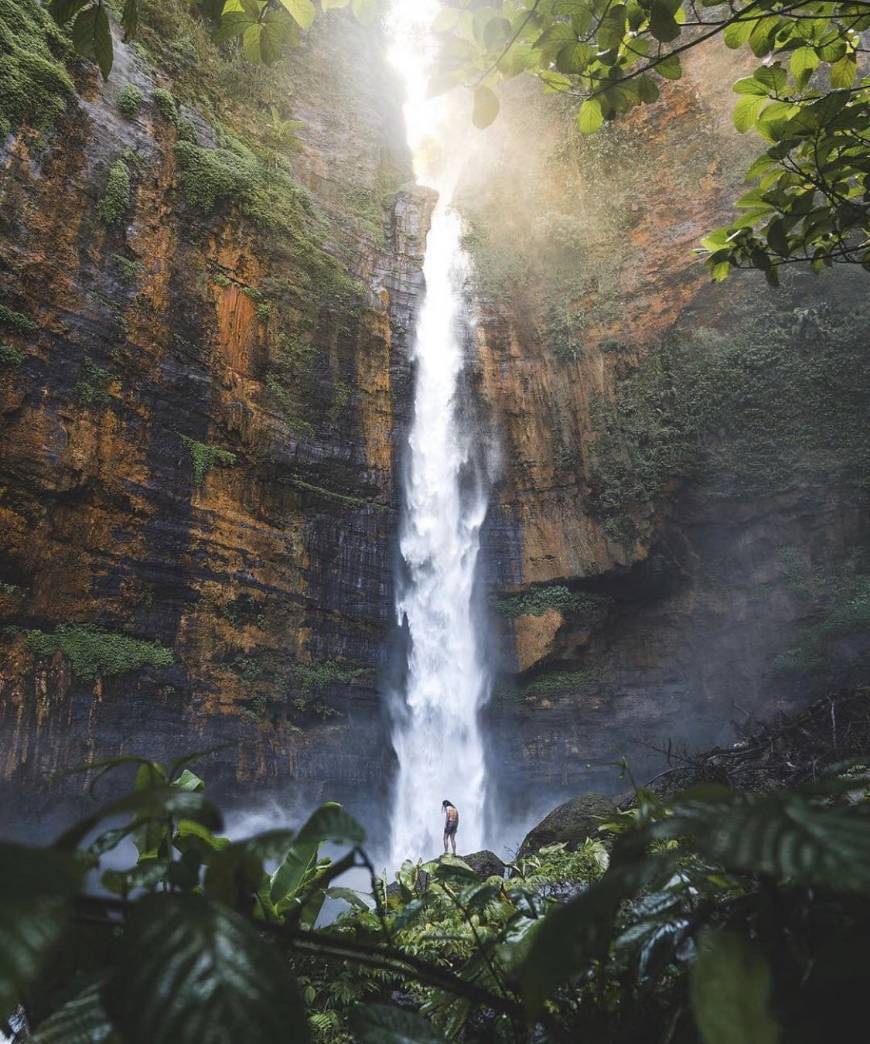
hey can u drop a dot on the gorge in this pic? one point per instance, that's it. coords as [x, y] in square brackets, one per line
[208, 384]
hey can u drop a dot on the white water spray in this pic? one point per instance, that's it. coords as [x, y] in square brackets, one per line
[436, 733]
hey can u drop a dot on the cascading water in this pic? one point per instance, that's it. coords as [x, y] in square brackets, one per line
[436, 733]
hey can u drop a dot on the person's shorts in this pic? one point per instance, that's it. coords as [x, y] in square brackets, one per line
[451, 829]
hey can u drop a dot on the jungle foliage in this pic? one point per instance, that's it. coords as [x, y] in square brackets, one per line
[265, 29]
[716, 916]
[810, 200]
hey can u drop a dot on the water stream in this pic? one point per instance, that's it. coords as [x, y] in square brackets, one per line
[436, 733]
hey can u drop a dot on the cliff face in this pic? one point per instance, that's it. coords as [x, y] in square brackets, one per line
[679, 540]
[205, 368]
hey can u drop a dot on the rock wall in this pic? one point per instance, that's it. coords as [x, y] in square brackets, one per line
[679, 540]
[204, 377]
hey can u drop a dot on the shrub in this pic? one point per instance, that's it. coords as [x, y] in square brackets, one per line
[130, 101]
[204, 457]
[19, 322]
[117, 197]
[10, 356]
[166, 104]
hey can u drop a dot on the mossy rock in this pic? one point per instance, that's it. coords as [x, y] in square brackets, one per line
[569, 824]
[485, 863]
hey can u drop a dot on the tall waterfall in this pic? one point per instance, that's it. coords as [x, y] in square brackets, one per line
[436, 734]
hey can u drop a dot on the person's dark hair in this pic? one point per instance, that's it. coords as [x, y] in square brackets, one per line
[445, 803]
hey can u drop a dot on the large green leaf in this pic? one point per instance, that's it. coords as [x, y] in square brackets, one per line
[82, 1020]
[485, 109]
[731, 992]
[302, 11]
[379, 1024]
[36, 887]
[787, 836]
[190, 971]
[330, 822]
[92, 37]
[365, 11]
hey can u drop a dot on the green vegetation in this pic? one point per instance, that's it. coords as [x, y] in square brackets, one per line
[778, 401]
[92, 386]
[538, 600]
[714, 917]
[10, 355]
[243, 610]
[34, 83]
[130, 100]
[166, 104]
[311, 677]
[96, 653]
[19, 322]
[807, 101]
[264, 29]
[130, 269]
[839, 603]
[204, 458]
[556, 683]
[118, 196]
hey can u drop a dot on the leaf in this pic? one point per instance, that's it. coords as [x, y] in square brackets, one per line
[590, 117]
[747, 111]
[190, 970]
[82, 1020]
[844, 71]
[92, 37]
[189, 781]
[36, 886]
[486, 106]
[155, 803]
[130, 19]
[62, 10]
[662, 23]
[670, 67]
[349, 896]
[330, 822]
[730, 988]
[302, 12]
[749, 85]
[232, 24]
[380, 1024]
[365, 11]
[574, 934]
[803, 63]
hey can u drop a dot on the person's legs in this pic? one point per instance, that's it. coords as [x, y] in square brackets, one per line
[446, 835]
[453, 841]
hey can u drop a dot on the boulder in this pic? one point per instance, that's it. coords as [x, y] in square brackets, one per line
[570, 823]
[485, 863]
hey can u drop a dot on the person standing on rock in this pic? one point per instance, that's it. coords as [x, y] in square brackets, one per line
[451, 824]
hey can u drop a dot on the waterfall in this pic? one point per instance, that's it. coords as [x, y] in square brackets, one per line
[436, 733]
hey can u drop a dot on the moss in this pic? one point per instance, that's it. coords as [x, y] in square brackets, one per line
[778, 401]
[204, 457]
[130, 101]
[219, 279]
[555, 683]
[19, 322]
[129, 268]
[838, 600]
[10, 356]
[186, 130]
[538, 600]
[118, 195]
[331, 494]
[93, 652]
[310, 677]
[92, 386]
[166, 104]
[34, 83]
[243, 611]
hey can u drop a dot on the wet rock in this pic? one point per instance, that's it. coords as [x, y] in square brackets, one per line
[570, 823]
[485, 863]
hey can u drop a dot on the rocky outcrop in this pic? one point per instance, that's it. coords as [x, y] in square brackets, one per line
[485, 863]
[570, 824]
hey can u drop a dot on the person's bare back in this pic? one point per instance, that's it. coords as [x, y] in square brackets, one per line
[451, 824]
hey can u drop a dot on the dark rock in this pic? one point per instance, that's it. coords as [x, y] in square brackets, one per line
[570, 823]
[485, 863]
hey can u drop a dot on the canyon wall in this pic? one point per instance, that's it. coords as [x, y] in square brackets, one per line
[205, 313]
[679, 544]
[204, 384]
